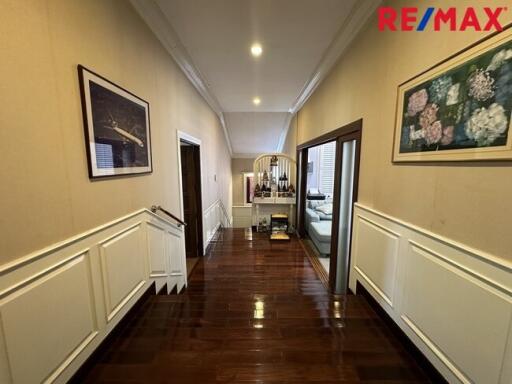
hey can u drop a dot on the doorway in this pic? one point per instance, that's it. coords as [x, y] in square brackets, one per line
[319, 201]
[190, 160]
[328, 169]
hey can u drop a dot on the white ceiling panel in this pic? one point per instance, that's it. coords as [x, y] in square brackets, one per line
[218, 34]
[255, 132]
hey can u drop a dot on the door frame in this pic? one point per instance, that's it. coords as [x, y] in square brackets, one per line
[183, 136]
[351, 131]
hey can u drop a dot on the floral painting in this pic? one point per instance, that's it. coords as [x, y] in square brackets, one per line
[462, 112]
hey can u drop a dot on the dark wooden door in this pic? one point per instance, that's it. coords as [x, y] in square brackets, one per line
[191, 179]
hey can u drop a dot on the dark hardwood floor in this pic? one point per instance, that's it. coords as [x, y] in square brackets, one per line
[255, 311]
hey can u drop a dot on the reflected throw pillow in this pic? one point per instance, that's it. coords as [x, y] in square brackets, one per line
[326, 209]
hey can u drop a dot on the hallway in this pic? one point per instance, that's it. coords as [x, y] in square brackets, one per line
[255, 311]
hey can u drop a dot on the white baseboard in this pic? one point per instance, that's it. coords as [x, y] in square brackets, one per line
[58, 304]
[454, 302]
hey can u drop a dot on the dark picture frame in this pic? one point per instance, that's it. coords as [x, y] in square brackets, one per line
[116, 126]
[461, 108]
[248, 179]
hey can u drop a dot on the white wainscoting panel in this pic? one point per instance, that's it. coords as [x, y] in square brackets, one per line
[158, 254]
[214, 217]
[432, 282]
[454, 302]
[157, 251]
[377, 269]
[58, 304]
[60, 299]
[122, 267]
[177, 265]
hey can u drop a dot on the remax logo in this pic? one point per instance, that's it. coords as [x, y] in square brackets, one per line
[453, 19]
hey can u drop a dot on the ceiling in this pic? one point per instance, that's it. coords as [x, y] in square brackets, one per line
[211, 40]
[253, 133]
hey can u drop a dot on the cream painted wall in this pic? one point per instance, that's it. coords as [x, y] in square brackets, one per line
[290, 143]
[238, 166]
[469, 203]
[45, 194]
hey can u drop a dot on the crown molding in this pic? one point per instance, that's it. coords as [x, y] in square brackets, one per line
[284, 133]
[158, 23]
[246, 155]
[358, 17]
[226, 133]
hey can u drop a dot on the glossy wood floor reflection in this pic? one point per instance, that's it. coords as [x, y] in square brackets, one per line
[255, 311]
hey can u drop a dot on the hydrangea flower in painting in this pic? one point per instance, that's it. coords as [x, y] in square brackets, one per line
[433, 133]
[452, 96]
[487, 124]
[499, 58]
[439, 88]
[481, 85]
[429, 115]
[504, 84]
[415, 134]
[448, 135]
[417, 102]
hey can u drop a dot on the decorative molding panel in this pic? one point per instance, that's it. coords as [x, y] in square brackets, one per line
[377, 269]
[214, 217]
[122, 268]
[170, 241]
[177, 265]
[60, 298]
[452, 284]
[454, 302]
[58, 304]
[157, 250]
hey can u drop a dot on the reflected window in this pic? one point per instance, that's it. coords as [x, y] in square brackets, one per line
[259, 310]
[104, 156]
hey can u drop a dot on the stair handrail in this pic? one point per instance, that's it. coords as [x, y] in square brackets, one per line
[155, 208]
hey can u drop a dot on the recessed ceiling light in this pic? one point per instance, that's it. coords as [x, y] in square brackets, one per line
[256, 50]
[256, 101]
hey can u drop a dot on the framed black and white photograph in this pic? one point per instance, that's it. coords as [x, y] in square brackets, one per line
[117, 129]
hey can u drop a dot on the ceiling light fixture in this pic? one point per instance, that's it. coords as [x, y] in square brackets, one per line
[256, 50]
[256, 101]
